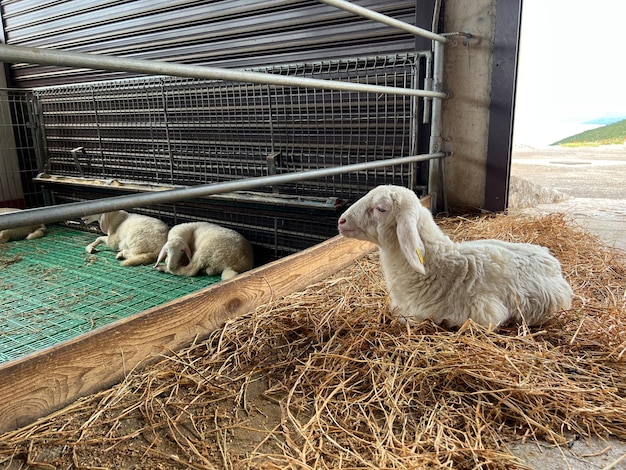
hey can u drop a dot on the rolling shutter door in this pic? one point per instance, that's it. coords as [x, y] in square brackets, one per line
[226, 33]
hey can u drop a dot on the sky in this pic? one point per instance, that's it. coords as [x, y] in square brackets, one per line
[572, 67]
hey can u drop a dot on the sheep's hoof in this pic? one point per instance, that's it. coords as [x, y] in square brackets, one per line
[36, 234]
[228, 273]
[90, 249]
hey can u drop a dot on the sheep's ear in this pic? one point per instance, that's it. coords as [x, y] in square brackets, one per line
[104, 226]
[162, 255]
[410, 242]
[187, 252]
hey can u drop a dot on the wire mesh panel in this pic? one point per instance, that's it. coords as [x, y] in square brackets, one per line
[186, 131]
[170, 132]
[52, 290]
[20, 149]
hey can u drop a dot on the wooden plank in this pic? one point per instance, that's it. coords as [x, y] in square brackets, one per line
[39, 384]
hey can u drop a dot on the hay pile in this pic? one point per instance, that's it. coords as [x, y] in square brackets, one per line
[325, 378]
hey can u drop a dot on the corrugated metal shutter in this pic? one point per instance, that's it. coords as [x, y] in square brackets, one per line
[226, 33]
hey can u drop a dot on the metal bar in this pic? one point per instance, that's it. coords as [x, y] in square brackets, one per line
[414, 126]
[72, 210]
[168, 140]
[98, 128]
[435, 173]
[33, 55]
[373, 15]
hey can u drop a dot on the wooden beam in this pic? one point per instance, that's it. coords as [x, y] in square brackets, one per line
[39, 384]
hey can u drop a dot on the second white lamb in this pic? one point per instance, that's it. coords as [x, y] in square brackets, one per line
[137, 238]
[195, 247]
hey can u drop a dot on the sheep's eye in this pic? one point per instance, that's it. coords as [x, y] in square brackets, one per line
[381, 209]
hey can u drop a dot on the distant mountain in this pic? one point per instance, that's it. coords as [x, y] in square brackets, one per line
[607, 119]
[610, 134]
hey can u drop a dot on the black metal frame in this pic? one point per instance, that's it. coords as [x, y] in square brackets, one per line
[502, 107]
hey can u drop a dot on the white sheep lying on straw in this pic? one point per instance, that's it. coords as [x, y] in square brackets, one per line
[137, 238]
[201, 246]
[430, 276]
[19, 233]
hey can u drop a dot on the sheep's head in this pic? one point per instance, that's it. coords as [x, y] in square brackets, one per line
[102, 219]
[88, 219]
[177, 253]
[107, 220]
[388, 216]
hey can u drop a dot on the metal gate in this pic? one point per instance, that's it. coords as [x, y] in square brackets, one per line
[150, 134]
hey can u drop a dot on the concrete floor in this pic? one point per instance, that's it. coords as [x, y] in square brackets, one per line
[593, 179]
[582, 454]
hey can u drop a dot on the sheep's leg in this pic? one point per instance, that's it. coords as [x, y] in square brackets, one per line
[5, 236]
[91, 248]
[36, 234]
[210, 271]
[228, 273]
[188, 270]
[139, 259]
[489, 311]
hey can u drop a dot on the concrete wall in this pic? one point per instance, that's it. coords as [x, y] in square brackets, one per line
[467, 76]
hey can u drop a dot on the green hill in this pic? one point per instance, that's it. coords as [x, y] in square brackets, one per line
[612, 134]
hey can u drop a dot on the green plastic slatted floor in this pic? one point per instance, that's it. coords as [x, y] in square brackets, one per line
[52, 290]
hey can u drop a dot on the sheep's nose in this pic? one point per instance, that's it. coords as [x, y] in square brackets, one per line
[342, 221]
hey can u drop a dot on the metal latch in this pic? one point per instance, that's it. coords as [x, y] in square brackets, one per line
[74, 153]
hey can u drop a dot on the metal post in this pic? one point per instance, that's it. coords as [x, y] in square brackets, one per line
[98, 129]
[166, 121]
[72, 210]
[435, 174]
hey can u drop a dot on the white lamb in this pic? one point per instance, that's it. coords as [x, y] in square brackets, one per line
[19, 233]
[429, 276]
[201, 246]
[137, 238]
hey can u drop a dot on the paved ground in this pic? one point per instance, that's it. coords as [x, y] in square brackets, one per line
[594, 178]
[594, 181]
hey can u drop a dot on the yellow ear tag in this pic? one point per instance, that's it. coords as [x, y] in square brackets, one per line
[419, 255]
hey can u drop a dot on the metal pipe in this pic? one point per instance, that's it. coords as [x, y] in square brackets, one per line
[373, 15]
[44, 215]
[437, 79]
[33, 55]
[435, 174]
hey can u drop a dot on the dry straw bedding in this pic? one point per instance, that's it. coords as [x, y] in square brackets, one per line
[326, 378]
